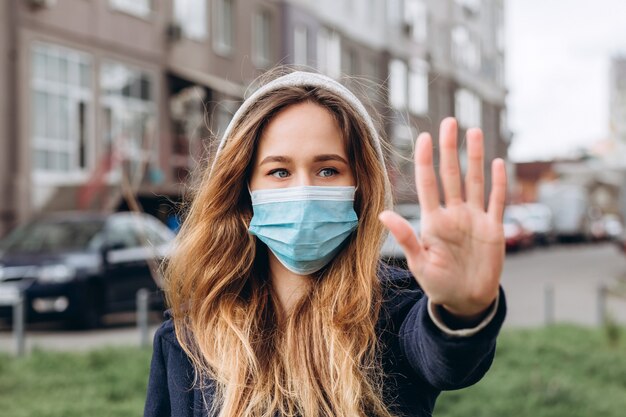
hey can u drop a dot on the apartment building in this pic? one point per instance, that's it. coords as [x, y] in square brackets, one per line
[617, 127]
[107, 92]
[418, 61]
[447, 59]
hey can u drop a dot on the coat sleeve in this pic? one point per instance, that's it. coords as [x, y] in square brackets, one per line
[170, 390]
[157, 399]
[449, 361]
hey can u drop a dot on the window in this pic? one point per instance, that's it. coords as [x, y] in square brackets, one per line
[418, 88]
[394, 11]
[371, 11]
[52, 236]
[416, 20]
[149, 231]
[504, 126]
[300, 46]
[351, 62]
[463, 160]
[223, 24]
[191, 15]
[465, 49]
[224, 114]
[122, 233]
[499, 25]
[261, 39]
[139, 8]
[329, 53]
[467, 108]
[372, 69]
[61, 102]
[129, 110]
[348, 6]
[499, 62]
[398, 84]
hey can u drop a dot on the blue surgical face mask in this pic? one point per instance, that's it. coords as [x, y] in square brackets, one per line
[303, 226]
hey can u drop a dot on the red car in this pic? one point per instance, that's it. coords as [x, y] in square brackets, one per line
[516, 236]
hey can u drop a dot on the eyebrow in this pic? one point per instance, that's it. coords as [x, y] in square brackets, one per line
[273, 158]
[318, 158]
[329, 157]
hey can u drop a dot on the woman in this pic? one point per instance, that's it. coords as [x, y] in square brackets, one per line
[279, 304]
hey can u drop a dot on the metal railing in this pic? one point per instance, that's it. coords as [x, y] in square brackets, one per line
[601, 300]
[19, 324]
[143, 323]
[142, 315]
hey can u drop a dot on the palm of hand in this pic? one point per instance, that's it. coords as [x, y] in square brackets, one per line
[462, 258]
[459, 256]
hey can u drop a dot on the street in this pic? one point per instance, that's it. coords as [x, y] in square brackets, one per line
[574, 273]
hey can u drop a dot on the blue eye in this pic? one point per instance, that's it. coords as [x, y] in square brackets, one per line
[328, 172]
[279, 173]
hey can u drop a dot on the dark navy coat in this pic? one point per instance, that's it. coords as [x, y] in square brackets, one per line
[419, 359]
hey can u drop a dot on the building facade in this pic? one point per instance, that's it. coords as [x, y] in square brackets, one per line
[106, 93]
[117, 91]
[448, 56]
[616, 159]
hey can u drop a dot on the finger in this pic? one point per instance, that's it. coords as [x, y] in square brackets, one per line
[401, 229]
[498, 190]
[425, 179]
[449, 169]
[475, 177]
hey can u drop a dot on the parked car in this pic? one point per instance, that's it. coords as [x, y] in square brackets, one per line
[597, 224]
[540, 221]
[516, 235]
[78, 266]
[620, 241]
[613, 226]
[391, 251]
[605, 226]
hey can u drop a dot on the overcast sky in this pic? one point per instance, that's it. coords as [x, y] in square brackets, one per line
[557, 66]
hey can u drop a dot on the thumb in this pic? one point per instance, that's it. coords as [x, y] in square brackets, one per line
[401, 229]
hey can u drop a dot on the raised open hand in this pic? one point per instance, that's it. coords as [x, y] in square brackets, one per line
[458, 258]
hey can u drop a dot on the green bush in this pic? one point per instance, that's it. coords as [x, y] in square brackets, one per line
[550, 372]
[102, 383]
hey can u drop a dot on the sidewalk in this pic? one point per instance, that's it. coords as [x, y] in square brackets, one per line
[49, 337]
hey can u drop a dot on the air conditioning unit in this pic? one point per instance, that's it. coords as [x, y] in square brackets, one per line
[174, 32]
[41, 4]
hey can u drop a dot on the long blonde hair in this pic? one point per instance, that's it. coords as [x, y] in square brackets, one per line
[322, 360]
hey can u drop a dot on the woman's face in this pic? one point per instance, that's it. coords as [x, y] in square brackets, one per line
[302, 145]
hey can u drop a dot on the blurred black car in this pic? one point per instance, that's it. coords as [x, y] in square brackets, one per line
[77, 266]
